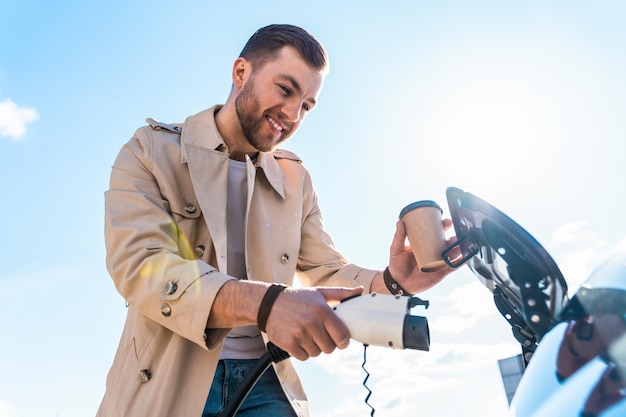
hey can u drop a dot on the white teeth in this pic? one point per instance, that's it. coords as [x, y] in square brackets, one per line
[276, 126]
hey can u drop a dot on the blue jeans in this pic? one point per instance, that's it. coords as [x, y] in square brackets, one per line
[266, 398]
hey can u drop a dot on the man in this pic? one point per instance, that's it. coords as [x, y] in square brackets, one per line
[203, 220]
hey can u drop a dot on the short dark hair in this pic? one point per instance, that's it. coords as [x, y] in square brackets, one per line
[266, 42]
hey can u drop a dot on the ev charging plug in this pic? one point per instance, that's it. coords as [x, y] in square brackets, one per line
[385, 320]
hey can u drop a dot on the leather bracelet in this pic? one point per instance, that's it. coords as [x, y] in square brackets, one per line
[392, 285]
[266, 304]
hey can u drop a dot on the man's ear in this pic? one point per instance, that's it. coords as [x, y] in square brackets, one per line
[241, 71]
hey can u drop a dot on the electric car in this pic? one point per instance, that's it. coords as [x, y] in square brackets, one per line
[573, 349]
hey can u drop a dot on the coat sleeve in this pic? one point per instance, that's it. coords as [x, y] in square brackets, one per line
[319, 263]
[151, 266]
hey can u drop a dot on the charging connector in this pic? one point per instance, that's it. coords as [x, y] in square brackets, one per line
[385, 320]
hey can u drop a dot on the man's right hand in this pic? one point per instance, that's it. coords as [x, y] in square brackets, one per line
[302, 323]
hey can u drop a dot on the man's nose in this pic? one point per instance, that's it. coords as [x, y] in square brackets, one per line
[292, 110]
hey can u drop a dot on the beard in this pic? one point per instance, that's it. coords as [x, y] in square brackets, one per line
[253, 120]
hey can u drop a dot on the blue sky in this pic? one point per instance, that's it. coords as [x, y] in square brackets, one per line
[521, 103]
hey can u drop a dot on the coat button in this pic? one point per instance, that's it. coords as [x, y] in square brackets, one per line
[200, 250]
[284, 259]
[166, 310]
[170, 287]
[190, 208]
[145, 375]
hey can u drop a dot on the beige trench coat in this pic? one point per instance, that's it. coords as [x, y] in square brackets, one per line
[165, 232]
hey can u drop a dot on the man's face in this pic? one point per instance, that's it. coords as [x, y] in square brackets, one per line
[275, 99]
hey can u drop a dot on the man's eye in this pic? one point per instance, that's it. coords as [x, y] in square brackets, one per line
[285, 89]
[306, 107]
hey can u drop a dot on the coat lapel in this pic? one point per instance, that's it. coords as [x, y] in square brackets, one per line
[273, 173]
[203, 150]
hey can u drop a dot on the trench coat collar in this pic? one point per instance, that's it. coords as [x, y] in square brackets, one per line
[200, 132]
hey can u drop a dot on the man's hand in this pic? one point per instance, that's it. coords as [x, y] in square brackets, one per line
[404, 268]
[302, 323]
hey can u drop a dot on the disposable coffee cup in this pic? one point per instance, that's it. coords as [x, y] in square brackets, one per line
[424, 228]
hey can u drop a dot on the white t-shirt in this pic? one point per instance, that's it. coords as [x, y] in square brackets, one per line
[242, 342]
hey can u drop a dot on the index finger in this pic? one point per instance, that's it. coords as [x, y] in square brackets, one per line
[399, 238]
[336, 294]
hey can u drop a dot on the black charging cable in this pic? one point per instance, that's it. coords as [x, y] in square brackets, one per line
[274, 354]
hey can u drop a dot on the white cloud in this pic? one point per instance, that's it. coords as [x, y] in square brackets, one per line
[456, 301]
[620, 246]
[458, 316]
[350, 407]
[576, 266]
[6, 409]
[453, 323]
[573, 231]
[13, 119]
[586, 251]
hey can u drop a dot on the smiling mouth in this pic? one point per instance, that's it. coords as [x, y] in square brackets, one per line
[274, 124]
